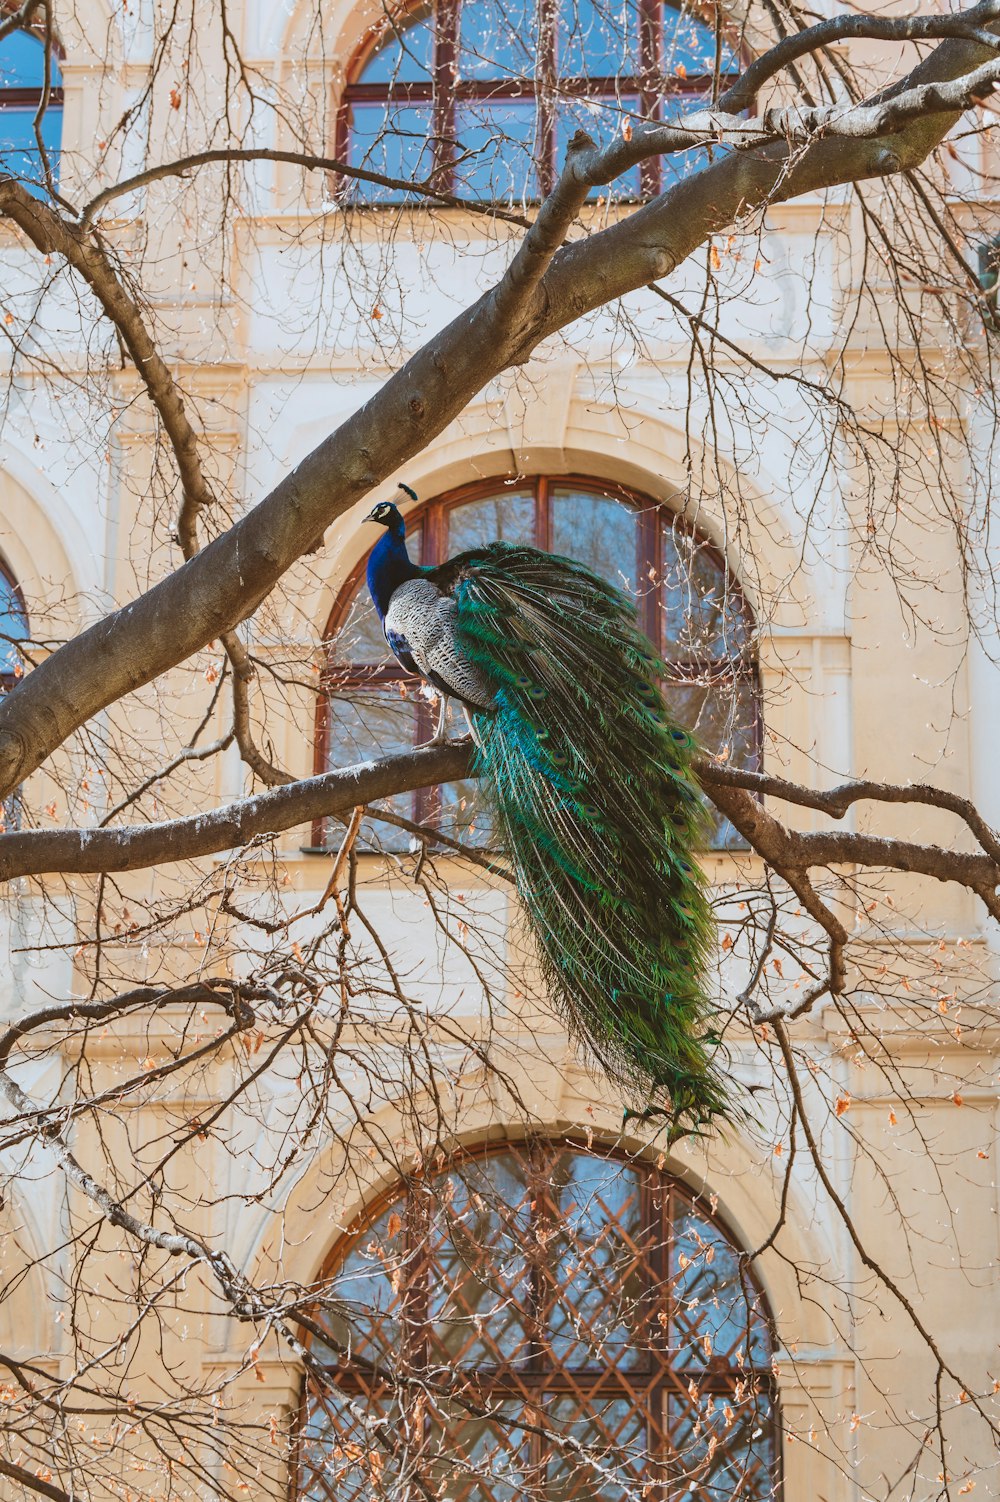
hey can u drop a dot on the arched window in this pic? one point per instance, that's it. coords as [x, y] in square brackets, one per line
[22, 80]
[689, 605]
[13, 629]
[542, 1323]
[483, 96]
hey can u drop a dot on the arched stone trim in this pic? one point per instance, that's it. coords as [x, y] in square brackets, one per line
[49, 551]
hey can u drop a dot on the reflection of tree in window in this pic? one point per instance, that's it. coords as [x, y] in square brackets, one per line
[483, 97]
[688, 604]
[22, 79]
[587, 1322]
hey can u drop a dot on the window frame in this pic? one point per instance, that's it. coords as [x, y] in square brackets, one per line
[32, 98]
[444, 94]
[431, 517]
[648, 1386]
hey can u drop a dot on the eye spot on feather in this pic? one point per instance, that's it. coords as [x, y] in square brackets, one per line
[522, 681]
[588, 810]
[536, 692]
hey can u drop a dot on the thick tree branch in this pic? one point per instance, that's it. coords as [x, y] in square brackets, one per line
[838, 800]
[30, 1480]
[967, 25]
[237, 824]
[790, 853]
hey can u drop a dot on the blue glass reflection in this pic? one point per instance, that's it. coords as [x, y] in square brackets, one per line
[598, 39]
[603, 119]
[498, 39]
[396, 144]
[13, 626]
[22, 68]
[22, 63]
[407, 55]
[496, 142]
[690, 45]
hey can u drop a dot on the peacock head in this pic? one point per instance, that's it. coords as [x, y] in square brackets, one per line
[387, 514]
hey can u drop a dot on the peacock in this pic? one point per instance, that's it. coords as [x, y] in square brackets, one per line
[592, 792]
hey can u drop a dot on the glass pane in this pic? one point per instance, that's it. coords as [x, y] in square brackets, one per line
[22, 63]
[722, 715]
[479, 1287]
[19, 154]
[406, 56]
[363, 1305]
[496, 149]
[13, 622]
[603, 118]
[347, 1448]
[465, 813]
[479, 1460]
[393, 139]
[609, 1458]
[598, 531]
[498, 39]
[722, 1449]
[598, 38]
[703, 614]
[596, 1265]
[366, 723]
[508, 516]
[361, 638]
[689, 45]
[716, 1319]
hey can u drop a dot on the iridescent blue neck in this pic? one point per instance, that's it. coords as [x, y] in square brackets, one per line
[389, 566]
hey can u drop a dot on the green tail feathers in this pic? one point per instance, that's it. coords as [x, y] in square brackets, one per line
[596, 804]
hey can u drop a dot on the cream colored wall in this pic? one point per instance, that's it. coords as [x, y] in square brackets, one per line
[842, 681]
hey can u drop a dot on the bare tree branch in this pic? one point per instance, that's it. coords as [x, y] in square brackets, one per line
[227, 580]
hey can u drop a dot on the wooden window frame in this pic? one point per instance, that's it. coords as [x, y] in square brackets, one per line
[431, 517]
[647, 1386]
[444, 93]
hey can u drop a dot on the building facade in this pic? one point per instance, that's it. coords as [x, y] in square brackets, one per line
[521, 1294]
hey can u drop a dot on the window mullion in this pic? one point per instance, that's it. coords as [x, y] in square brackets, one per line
[650, 27]
[542, 517]
[546, 76]
[446, 31]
